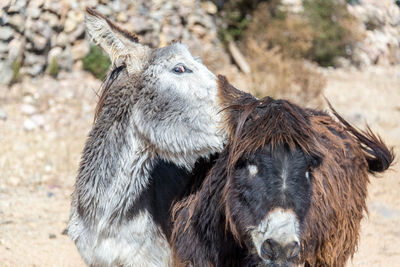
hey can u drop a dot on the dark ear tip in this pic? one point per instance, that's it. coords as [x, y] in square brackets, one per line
[90, 11]
[221, 77]
[222, 80]
[175, 41]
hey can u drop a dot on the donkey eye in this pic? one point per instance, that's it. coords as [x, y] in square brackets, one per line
[178, 69]
[308, 174]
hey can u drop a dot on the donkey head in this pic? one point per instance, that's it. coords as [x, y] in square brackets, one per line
[269, 174]
[173, 95]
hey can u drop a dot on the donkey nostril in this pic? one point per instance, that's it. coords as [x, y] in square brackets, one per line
[292, 250]
[267, 248]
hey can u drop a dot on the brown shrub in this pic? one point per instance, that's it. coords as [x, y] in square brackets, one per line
[323, 32]
[275, 44]
[279, 77]
[270, 26]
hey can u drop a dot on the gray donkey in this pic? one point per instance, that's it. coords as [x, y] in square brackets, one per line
[156, 128]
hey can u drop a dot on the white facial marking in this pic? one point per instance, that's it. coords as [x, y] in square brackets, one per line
[284, 178]
[284, 173]
[280, 225]
[253, 170]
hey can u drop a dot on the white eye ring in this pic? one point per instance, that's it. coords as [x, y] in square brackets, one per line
[308, 175]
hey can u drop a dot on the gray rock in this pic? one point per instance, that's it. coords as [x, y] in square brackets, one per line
[73, 19]
[39, 42]
[31, 59]
[55, 52]
[28, 46]
[38, 119]
[3, 14]
[6, 73]
[36, 26]
[92, 3]
[65, 61]
[33, 70]
[17, 21]
[3, 115]
[77, 33]
[139, 24]
[74, 4]
[17, 6]
[199, 30]
[105, 10]
[6, 33]
[29, 125]
[28, 109]
[36, 3]
[15, 48]
[210, 7]
[33, 12]
[80, 49]
[51, 19]
[122, 17]
[53, 6]
[3, 47]
[118, 6]
[53, 40]
[172, 33]
[62, 39]
[4, 3]
[45, 29]
[30, 90]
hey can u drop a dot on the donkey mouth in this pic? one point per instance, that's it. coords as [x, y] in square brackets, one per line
[269, 263]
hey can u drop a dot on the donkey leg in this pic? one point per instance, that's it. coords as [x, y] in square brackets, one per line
[138, 242]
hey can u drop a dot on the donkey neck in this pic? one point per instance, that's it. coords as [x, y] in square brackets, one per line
[117, 163]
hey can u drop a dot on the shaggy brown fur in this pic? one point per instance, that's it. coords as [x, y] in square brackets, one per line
[205, 234]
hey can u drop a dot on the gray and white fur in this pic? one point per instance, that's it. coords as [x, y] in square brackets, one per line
[149, 112]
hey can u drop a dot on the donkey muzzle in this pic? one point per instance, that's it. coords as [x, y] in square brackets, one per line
[274, 251]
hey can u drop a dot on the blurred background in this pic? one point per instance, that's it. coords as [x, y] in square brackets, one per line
[50, 73]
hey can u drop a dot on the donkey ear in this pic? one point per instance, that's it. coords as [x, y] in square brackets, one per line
[121, 46]
[227, 93]
[233, 102]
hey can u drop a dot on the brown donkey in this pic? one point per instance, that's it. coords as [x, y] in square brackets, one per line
[289, 188]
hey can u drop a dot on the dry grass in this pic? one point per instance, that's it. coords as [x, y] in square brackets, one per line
[275, 45]
[278, 77]
[291, 33]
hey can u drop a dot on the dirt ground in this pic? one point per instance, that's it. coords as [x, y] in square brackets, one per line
[46, 127]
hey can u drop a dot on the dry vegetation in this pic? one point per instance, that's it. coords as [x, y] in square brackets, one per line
[283, 48]
[276, 76]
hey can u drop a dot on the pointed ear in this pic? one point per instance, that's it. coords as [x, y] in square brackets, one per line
[228, 95]
[121, 46]
[235, 104]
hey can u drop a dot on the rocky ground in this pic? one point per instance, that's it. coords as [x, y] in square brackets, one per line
[37, 36]
[43, 126]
